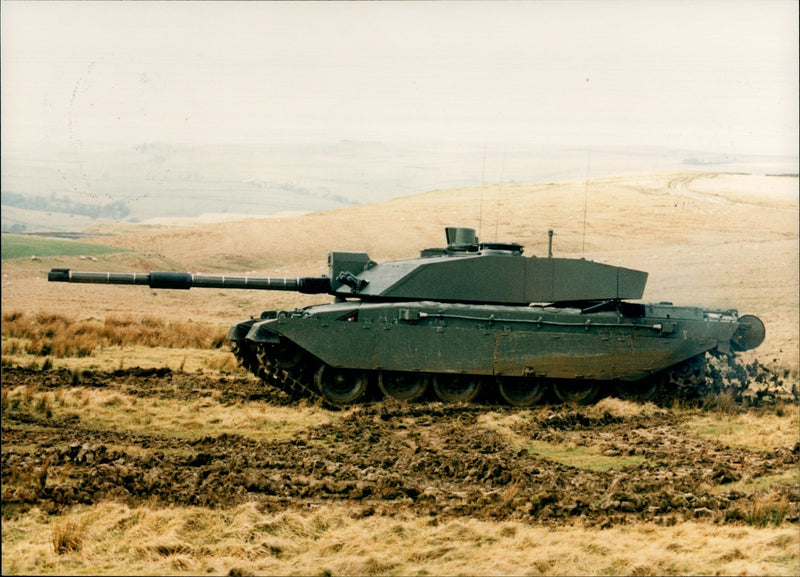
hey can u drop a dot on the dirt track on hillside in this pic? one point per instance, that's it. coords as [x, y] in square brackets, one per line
[381, 459]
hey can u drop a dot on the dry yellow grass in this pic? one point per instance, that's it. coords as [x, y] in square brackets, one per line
[55, 334]
[760, 430]
[329, 541]
[152, 416]
[111, 358]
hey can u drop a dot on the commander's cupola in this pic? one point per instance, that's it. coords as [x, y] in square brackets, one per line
[462, 240]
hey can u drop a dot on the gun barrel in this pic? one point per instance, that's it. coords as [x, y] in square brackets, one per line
[185, 280]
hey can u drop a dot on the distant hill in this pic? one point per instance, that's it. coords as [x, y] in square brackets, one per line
[68, 190]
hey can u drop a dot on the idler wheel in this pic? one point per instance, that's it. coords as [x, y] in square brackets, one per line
[749, 334]
[576, 391]
[341, 386]
[403, 386]
[522, 392]
[457, 388]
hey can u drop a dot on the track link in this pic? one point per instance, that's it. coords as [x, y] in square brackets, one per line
[260, 359]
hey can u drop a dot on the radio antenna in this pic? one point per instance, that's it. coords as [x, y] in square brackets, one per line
[499, 195]
[586, 202]
[483, 181]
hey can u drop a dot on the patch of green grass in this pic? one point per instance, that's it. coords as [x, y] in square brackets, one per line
[23, 246]
[581, 457]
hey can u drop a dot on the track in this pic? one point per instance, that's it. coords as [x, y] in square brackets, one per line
[297, 374]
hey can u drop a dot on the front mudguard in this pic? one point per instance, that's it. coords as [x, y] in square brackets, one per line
[260, 332]
[239, 331]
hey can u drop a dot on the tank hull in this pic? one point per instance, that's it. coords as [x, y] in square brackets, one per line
[502, 341]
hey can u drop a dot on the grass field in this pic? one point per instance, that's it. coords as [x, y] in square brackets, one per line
[22, 246]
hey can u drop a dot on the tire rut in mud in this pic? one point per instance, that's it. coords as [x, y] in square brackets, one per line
[434, 460]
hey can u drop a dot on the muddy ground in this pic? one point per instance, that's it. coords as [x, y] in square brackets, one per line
[382, 459]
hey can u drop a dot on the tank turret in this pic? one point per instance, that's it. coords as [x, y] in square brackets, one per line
[465, 271]
[465, 320]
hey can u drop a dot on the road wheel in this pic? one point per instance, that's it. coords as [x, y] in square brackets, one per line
[457, 388]
[403, 386]
[645, 389]
[520, 391]
[576, 391]
[341, 386]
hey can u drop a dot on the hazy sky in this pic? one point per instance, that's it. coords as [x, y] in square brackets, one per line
[720, 76]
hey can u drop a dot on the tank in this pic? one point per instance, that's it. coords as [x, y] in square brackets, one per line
[470, 320]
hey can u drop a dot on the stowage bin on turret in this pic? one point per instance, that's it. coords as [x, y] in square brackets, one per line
[468, 319]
